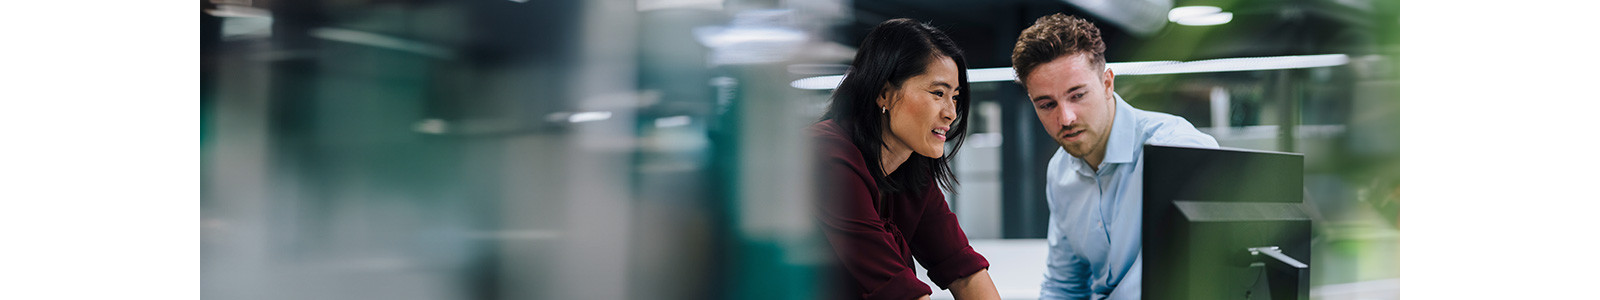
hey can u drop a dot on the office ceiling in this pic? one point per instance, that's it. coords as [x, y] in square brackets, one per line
[986, 30]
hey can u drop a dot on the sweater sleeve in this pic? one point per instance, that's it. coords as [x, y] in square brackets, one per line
[862, 240]
[941, 246]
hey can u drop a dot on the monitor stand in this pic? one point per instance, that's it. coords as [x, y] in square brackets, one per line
[1287, 278]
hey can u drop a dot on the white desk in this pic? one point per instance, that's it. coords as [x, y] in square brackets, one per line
[1017, 267]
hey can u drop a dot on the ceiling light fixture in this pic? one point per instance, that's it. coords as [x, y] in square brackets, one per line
[1137, 68]
[1199, 16]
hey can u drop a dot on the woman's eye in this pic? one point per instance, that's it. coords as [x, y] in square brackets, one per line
[938, 93]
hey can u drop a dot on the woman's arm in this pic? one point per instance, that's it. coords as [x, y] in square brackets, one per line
[943, 248]
[866, 249]
[974, 287]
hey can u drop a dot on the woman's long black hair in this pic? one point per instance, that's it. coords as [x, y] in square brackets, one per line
[894, 51]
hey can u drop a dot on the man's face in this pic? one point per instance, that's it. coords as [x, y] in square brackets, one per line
[1073, 100]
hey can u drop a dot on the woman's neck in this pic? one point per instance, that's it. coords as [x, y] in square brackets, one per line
[894, 154]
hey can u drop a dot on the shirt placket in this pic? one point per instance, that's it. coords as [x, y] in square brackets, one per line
[1107, 199]
[1099, 197]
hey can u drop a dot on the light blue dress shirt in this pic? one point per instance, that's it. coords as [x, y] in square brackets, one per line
[1095, 215]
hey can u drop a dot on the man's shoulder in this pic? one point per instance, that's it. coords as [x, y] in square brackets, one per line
[1059, 162]
[1167, 129]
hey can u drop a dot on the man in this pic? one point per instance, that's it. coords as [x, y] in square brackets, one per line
[1095, 194]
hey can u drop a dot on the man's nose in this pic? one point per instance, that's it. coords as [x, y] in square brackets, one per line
[1067, 117]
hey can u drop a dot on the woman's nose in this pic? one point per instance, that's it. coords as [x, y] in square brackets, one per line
[949, 111]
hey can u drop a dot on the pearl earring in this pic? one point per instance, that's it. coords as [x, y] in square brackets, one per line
[885, 109]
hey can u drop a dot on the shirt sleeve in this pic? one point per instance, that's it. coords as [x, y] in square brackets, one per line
[941, 246]
[1132, 284]
[1066, 275]
[865, 247]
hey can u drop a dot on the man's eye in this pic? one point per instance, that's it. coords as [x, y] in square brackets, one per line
[1047, 105]
[1077, 96]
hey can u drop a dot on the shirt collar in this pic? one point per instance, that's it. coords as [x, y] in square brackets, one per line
[1122, 143]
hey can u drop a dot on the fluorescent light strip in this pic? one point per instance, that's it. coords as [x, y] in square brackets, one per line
[589, 116]
[1180, 13]
[991, 74]
[381, 41]
[1207, 20]
[673, 121]
[1199, 16]
[1137, 68]
[238, 11]
[1247, 64]
[826, 82]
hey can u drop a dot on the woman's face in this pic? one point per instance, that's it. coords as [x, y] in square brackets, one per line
[922, 109]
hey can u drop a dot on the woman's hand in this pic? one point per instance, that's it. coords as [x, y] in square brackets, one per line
[977, 286]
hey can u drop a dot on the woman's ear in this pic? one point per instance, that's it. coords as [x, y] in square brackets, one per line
[886, 96]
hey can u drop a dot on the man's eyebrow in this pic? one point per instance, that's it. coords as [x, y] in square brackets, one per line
[1079, 86]
[1069, 91]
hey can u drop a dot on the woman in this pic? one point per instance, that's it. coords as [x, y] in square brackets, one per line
[882, 161]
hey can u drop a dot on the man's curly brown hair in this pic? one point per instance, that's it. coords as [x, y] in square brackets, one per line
[1055, 36]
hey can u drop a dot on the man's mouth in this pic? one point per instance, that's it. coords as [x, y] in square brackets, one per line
[1073, 134]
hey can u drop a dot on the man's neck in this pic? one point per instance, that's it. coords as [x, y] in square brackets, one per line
[1099, 154]
[1094, 158]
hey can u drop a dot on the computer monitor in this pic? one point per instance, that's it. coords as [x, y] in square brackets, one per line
[1224, 224]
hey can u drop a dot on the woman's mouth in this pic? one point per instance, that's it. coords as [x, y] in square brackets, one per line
[940, 133]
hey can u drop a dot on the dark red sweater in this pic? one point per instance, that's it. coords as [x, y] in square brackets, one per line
[874, 248]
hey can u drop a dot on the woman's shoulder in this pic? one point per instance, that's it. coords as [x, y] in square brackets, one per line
[831, 141]
[838, 163]
[827, 130]
[835, 152]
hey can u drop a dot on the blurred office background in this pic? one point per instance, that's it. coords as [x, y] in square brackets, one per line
[506, 149]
